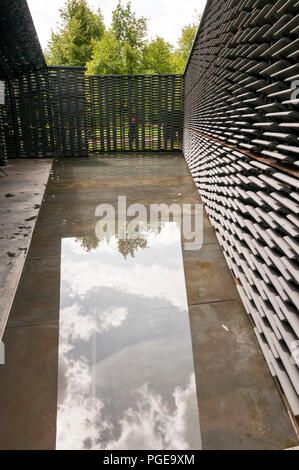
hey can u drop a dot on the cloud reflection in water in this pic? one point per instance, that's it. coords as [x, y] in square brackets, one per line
[126, 374]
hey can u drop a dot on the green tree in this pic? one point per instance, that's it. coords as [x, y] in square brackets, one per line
[178, 62]
[82, 40]
[158, 57]
[110, 57]
[185, 43]
[72, 44]
[106, 57]
[120, 50]
[186, 40]
[127, 27]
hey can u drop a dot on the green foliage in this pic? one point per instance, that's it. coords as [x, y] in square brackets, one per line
[72, 44]
[186, 40]
[110, 57]
[127, 28]
[106, 56]
[178, 62]
[185, 43]
[123, 49]
[158, 57]
[120, 50]
[132, 59]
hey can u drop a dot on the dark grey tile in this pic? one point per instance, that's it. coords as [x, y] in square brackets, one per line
[239, 404]
[208, 277]
[37, 296]
[28, 392]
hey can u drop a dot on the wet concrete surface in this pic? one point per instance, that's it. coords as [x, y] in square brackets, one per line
[239, 404]
[240, 408]
[28, 392]
[22, 186]
[207, 276]
[37, 300]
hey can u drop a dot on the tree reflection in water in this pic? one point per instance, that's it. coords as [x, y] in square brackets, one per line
[127, 246]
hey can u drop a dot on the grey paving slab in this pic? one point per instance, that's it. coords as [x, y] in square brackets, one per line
[21, 193]
[28, 392]
[37, 297]
[208, 277]
[239, 403]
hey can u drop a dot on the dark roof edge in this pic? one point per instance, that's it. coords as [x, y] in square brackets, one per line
[208, 4]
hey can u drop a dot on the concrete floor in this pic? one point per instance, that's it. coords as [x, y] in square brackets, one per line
[22, 186]
[239, 404]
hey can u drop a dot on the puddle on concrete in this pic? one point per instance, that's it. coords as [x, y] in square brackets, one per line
[126, 373]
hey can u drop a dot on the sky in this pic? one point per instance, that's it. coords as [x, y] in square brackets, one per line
[166, 17]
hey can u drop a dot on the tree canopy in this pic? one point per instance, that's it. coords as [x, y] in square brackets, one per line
[72, 43]
[120, 50]
[186, 41]
[83, 40]
[158, 57]
[127, 27]
[106, 56]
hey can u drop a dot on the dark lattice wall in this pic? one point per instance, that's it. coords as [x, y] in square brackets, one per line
[69, 103]
[154, 102]
[20, 52]
[241, 142]
[62, 112]
[3, 152]
[28, 116]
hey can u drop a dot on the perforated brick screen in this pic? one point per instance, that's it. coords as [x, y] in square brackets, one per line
[241, 143]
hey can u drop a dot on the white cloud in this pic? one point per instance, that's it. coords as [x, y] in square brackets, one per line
[124, 400]
[151, 425]
[162, 279]
[148, 424]
[166, 17]
[75, 325]
[153, 281]
[79, 410]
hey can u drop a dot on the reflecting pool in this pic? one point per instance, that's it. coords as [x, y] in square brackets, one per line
[126, 372]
